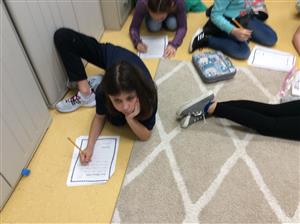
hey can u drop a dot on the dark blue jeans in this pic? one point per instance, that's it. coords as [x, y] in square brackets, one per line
[228, 44]
[170, 23]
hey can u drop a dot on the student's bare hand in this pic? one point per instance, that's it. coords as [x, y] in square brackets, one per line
[170, 51]
[241, 34]
[141, 47]
[135, 112]
[85, 156]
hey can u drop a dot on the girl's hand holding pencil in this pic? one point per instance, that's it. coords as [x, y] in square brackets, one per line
[241, 33]
[85, 155]
[237, 24]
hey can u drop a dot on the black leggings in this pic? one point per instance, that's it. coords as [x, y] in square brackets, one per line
[73, 46]
[277, 120]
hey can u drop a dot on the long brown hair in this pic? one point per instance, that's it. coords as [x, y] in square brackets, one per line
[125, 77]
[161, 6]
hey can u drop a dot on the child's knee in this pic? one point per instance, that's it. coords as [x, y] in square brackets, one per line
[272, 40]
[171, 23]
[241, 54]
[60, 35]
[154, 26]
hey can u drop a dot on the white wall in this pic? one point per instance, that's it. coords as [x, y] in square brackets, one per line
[24, 116]
[36, 22]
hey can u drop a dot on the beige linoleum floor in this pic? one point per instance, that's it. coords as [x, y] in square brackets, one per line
[43, 196]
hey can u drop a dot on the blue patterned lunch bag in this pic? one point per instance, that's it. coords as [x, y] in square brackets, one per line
[213, 66]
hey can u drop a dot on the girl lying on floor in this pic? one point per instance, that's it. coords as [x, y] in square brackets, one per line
[126, 95]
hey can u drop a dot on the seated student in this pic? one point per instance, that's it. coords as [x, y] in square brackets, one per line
[169, 14]
[127, 93]
[277, 120]
[222, 33]
[296, 39]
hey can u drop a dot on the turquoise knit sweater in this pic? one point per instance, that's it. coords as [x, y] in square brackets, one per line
[231, 9]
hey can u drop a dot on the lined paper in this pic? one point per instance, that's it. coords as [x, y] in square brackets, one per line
[103, 163]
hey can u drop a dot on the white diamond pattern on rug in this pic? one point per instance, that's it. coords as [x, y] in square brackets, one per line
[151, 183]
[276, 172]
[145, 149]
[198, 165]
[214, 171]
[233, 205]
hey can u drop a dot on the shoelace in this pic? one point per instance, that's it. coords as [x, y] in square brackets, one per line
[200, 36]
[91, 83]
[74, 100]
[199, 115]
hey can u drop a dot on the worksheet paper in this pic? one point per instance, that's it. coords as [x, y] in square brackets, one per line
[103, 163]
[156, 46]
[271, 59]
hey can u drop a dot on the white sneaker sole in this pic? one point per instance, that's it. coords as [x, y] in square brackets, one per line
[192, 102]
[194, 36]
[89, 104]
[185, 121]
[62, 110]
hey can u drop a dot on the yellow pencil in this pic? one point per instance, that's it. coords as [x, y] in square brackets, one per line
[74, 144]
[237, 23]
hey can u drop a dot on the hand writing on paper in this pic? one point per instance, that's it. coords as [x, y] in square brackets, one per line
[170, 51]
[85, 156]
[241, 34]
[141, 47]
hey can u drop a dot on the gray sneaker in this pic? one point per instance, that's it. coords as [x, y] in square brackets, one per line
[195, 107]
[76, 101]
[93, 81]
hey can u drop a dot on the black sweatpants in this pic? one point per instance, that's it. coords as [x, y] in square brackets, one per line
[73, 46]
[277, 120]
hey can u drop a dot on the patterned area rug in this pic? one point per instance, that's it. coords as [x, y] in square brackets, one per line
[215, 171]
